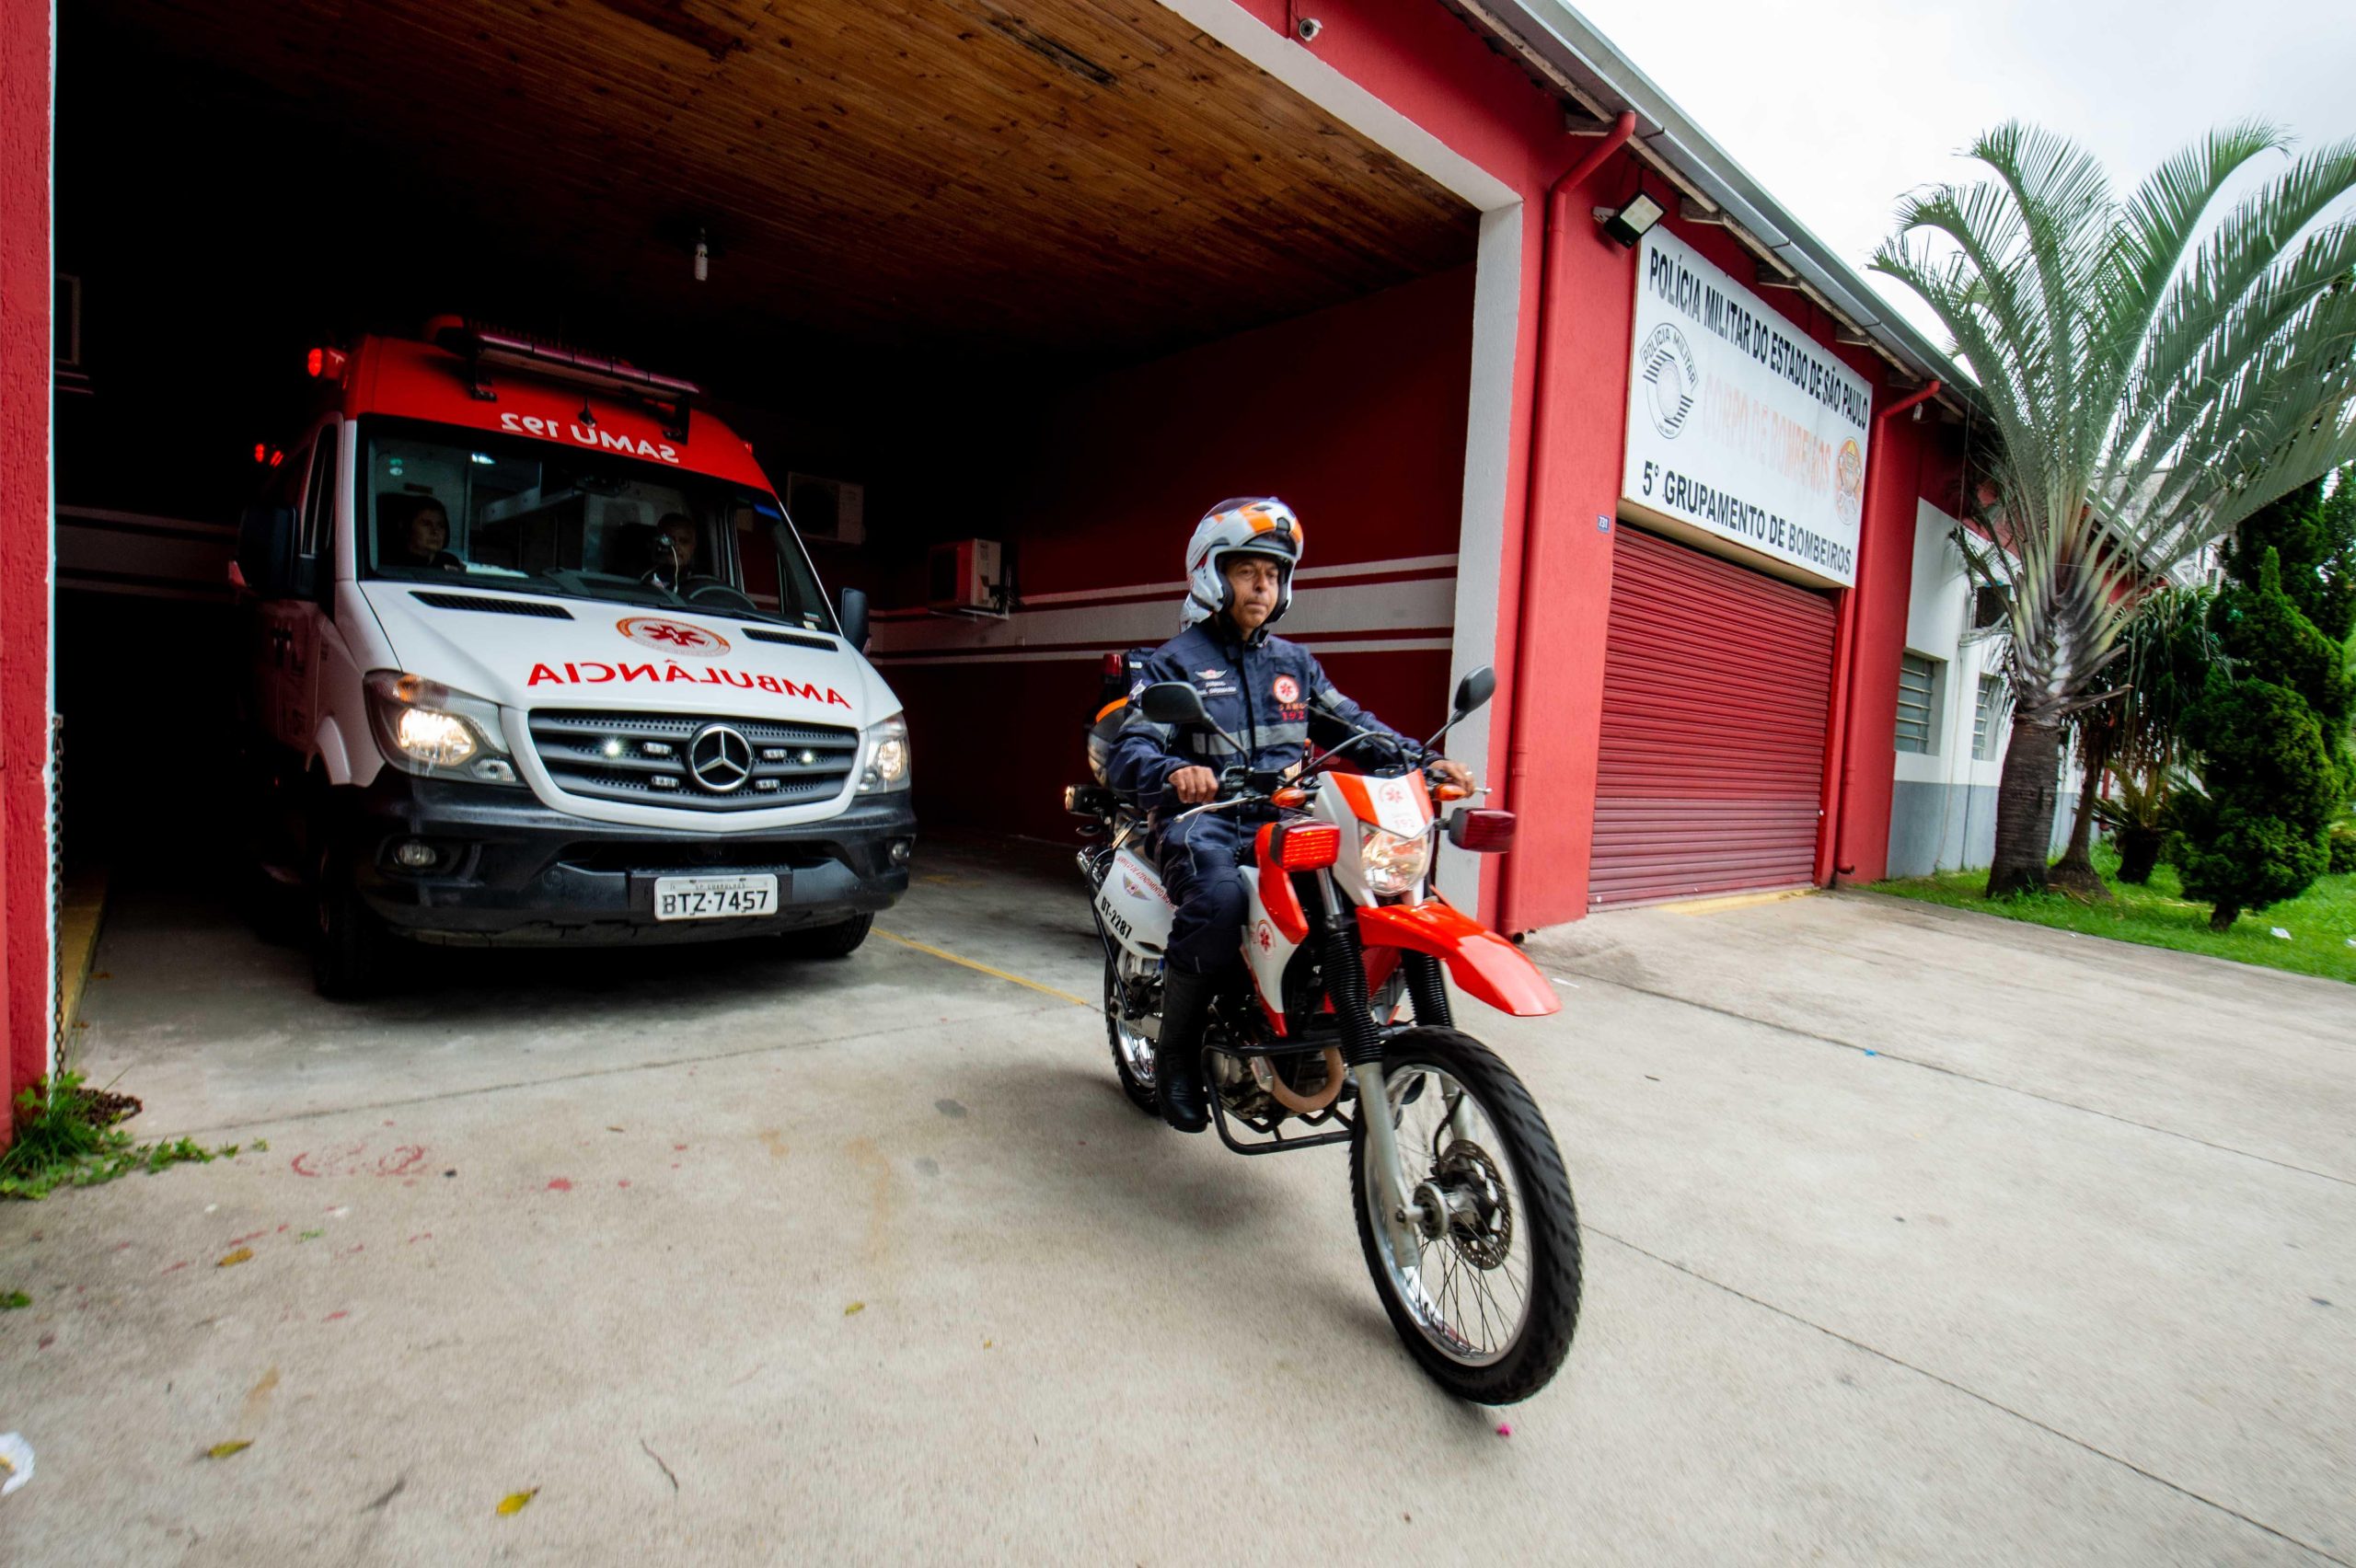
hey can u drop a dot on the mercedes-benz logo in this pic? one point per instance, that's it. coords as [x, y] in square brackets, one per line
[720, 758]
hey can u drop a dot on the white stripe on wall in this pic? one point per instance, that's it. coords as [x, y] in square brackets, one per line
[1083, 655]
[1411, 604]
[1398, 567]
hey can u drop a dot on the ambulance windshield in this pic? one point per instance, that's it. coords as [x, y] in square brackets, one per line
[444, 506]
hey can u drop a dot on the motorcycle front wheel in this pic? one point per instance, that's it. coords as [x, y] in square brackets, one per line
[1488, 1296]
[1132, 1048]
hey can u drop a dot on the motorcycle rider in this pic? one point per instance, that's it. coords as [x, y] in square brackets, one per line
[1273, 696]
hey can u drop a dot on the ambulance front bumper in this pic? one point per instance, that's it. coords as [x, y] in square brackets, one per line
[505, 870]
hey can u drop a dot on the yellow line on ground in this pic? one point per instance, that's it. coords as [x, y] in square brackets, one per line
[1736, 901]
[983, 968]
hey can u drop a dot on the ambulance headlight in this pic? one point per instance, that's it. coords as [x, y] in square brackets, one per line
[429, 735]
[886, 757]
[425, 728]
[1393, 864]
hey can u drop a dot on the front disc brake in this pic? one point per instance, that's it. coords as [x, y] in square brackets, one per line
[1481, 1217]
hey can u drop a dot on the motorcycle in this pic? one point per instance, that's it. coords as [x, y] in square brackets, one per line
[1464, 1210]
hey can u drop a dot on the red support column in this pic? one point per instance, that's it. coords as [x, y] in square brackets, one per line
[1847, 639]
[27, 964]
[1576, 438]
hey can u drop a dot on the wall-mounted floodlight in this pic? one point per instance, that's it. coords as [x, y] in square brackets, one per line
[1628, 225]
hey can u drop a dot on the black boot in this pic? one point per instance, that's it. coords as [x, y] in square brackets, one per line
[1178, 1050]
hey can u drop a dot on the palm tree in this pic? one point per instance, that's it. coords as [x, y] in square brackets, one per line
[2152, 376]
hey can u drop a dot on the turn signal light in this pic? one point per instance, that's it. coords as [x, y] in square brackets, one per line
[1483, 831]
[1303, 845]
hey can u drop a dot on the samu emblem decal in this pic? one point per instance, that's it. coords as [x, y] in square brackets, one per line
[673, 637]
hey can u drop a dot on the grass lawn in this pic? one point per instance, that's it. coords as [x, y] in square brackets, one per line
[2321, 921]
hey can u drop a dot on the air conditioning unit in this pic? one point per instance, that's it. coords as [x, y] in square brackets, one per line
[966, 578]
[826, 512]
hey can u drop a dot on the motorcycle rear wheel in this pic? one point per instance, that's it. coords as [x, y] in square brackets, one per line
[1132, 1049]
[1488, 1306]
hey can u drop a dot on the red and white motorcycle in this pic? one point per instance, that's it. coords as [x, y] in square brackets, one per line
[1464, 1211]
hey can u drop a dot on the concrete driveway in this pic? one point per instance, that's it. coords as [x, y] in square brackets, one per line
[1912, 1237]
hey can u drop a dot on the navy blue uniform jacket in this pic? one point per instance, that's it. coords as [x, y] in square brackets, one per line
[1271, 694]
[1274, 698]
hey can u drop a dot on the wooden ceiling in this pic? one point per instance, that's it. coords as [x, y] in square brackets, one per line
[1085, 176]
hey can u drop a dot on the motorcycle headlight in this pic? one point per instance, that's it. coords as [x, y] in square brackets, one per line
[886, 752]
[1393, 864]
[423, 727]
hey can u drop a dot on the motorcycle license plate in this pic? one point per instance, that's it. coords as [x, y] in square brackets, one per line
[714, 898]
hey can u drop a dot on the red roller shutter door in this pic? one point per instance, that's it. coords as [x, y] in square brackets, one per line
[1716, 680]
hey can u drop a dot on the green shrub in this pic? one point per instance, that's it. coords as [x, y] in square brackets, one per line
[2341, 852]
[2270, 736]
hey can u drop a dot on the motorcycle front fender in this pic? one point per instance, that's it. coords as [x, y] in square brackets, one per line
[1486, 966]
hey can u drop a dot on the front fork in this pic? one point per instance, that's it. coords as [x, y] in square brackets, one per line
[1342, 961]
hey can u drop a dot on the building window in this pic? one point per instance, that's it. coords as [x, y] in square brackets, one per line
[1918, 702]
[1988, 719]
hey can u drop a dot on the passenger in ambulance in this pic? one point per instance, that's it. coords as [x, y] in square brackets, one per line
[414, 534]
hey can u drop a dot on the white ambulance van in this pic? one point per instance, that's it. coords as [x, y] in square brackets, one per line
[538, 658]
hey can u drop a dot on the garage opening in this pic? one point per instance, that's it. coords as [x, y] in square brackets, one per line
[1716, 683]
[1053, 279]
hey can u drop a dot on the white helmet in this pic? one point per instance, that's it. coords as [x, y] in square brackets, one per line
[1251, 525]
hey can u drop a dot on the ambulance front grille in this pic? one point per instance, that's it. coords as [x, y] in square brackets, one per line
[643, 758]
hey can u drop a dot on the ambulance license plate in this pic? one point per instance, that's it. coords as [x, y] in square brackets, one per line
[713, 898]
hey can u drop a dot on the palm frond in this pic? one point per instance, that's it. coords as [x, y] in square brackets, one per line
[2201, 298]
[2157, 226]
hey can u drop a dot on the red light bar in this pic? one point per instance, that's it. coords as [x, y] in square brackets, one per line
[325, 363]
[1301, 846]
[1483, 831]
[487, 346]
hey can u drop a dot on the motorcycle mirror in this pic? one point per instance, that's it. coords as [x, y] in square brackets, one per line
[1172, 702]
[1476, 689]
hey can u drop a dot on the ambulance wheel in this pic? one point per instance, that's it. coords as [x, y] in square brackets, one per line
[829, 942]
[347, 944]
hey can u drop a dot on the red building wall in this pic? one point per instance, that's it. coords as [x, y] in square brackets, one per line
[1354, 416]
[25, 960]
[1421, 61]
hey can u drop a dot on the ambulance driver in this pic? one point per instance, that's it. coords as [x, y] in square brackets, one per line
[413, 535]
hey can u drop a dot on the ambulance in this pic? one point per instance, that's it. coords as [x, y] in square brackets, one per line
[537, 657]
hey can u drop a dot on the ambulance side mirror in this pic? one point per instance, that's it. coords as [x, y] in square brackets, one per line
[265, 557]
[850, 611]
[1172, 702]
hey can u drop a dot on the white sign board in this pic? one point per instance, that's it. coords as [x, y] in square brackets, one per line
[1738, 424]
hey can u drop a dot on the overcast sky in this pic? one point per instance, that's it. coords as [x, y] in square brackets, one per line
[1839, 105]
